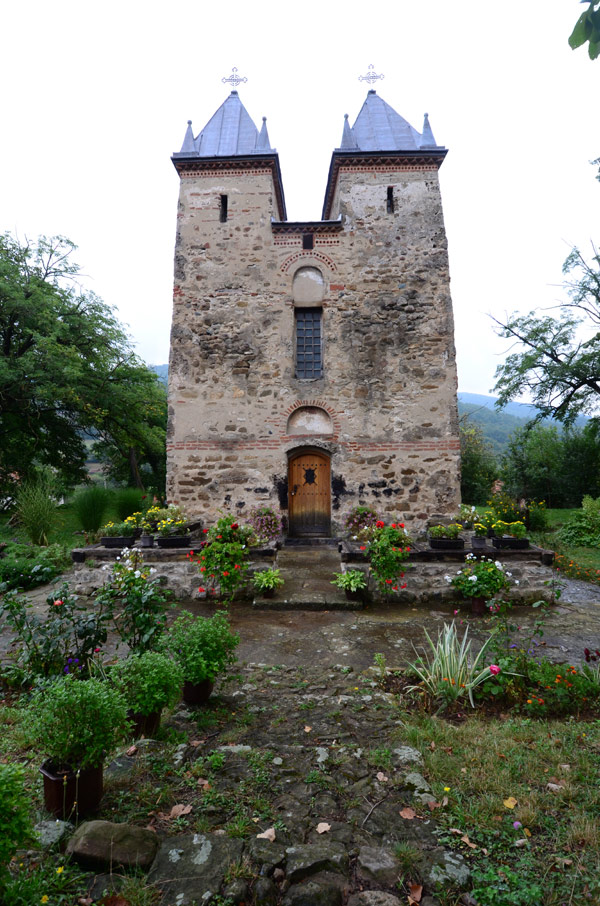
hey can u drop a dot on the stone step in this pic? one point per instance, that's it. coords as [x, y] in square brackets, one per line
[308, 571]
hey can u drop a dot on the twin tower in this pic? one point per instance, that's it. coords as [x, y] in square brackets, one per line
[312, 364]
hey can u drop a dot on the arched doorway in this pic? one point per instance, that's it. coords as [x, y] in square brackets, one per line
[309, 494]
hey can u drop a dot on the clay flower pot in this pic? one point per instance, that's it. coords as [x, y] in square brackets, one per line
[197, 693]
[144, 724]
[478, 605]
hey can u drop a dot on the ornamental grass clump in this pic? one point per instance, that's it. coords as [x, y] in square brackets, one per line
[451, 671]
[202, 646]
[90, 505]
[388, 551]
[36, 509]
[480, 578]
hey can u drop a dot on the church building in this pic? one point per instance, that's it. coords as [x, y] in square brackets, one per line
[312, 365]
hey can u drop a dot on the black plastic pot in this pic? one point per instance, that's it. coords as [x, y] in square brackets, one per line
[507, 542]
[70, 795]
[447, 544]
[197, 693]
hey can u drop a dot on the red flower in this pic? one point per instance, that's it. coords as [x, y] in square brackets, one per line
[388, 581]
[237, 567]
[400, 525]
[205, 530]
[219, 536]
[225, 573]
[234, 525]
[363, 547]
[201, 590]
[379, 524]
[57, 603]
[394, 525]
[202, 569]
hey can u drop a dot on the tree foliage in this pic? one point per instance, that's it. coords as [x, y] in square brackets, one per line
[587, 29]
[557, 362]
[479, 467]
[66, 369]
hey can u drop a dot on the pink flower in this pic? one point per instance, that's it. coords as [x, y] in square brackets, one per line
[495, 669]
[455, 612]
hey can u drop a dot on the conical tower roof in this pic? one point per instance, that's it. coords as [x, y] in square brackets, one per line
[379, 128]
[228, 133]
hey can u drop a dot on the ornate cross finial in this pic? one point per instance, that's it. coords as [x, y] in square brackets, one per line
[234, 79]
[371, 76]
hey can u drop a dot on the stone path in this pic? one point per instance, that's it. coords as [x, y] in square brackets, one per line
[307, 573]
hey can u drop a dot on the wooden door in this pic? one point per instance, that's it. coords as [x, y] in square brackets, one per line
[309, 494]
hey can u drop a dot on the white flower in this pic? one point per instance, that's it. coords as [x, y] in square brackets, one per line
[472, 578]
[516, 581]
[152, 570]
[137, 574]
[498, 565]
[508, 574]
[448, 578]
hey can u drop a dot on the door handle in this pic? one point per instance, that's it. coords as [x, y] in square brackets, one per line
[294, 491]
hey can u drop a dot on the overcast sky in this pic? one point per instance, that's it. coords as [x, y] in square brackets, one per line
[96, 98]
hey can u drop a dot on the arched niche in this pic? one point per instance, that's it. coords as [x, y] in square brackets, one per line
[308, 286]
[309, 420]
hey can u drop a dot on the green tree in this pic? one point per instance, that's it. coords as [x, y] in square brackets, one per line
[67, 368]
[479, 467]
[587, 29]
[532, 464]
[558, 359]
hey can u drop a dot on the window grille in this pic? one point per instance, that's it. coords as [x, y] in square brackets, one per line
[309, 362]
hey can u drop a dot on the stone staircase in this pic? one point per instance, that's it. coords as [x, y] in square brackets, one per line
[307, 570]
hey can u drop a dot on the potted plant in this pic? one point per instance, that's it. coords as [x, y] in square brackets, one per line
[446, 537]
[479, 580]
[478, 538]
[510, 535]
[117, 534]
[172, 532]
[149, 682]
[389, 548]
[352, 581]
[203, 647]
[76, 723]
[266, 582]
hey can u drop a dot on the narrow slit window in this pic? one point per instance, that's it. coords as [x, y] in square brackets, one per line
[308, 241]
[390, 200]
[223, 209]
[309, 362]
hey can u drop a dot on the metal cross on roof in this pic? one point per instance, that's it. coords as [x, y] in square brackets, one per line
[234, 79]
[371, 76]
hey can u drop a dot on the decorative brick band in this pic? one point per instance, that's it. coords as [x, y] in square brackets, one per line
[430, 446]
[308, 256]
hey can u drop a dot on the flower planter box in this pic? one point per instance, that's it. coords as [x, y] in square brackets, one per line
[478, 543]
[447, 544]
[509, 543]
[120, 541]
[147, 541]
[174, 541]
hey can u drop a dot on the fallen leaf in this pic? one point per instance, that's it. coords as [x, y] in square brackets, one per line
[500, 755]
[527, 832]
[197, 742]
[554, 787]
[463, 770]
[179, 810]
[466, 840]
[445, 801]
[455, 830]
[565, 767]
[433, 805]
[415, 892]
[84, 901]
[510, 802]
[381, 777]
[267, 835]
[256, 820]
[432, 746]
[307, 729]
[204, 783]
[409, 813]
[131, 751]
[323, 827]
[521, 843]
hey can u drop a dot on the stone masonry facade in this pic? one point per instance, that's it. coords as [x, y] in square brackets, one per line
[384, 409]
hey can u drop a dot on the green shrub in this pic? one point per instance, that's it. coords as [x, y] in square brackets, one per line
[136, 603]
[36, 509]
[77, 722]
[388, 551]
[583, 528]
[203, 646]
[128, 501]
[149, 681]
[15, 824]
[505, 507]
[537, 516]
[90, 505]
[24, 566]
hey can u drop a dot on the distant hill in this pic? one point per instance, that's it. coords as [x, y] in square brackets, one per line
[162, 371]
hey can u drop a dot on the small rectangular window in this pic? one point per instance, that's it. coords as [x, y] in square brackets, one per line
[390, 200]
[223, 209]
[308, 343]
[308, 241]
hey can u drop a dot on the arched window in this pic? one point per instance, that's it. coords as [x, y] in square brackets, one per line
[308, 290]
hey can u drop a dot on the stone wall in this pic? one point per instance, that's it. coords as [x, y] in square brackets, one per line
[389, 383]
